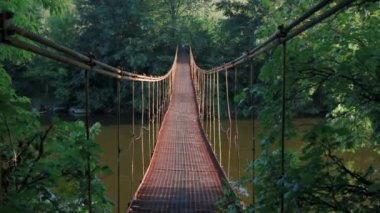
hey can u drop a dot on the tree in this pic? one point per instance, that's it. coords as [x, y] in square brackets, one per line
[41, 168]
[332, 71]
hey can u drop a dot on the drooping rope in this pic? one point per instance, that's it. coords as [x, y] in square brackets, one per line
[149, 118]
[204, 100]
[219, 125]
[252, 82]
[210, 108]
[283, 116]
[142, 128]
[206, 106]
[201, 97]
[152, 121]
[133, 135]
[159, 105]
[157, 109]
[118, 143]
[166, 94]
[154, 113]
[87, 98]
[213, 109]
[163, 100]
[236, 136]
[199, 93]
[229, 130]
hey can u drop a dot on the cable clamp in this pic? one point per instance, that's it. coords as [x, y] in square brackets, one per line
[91, 62]
[4, 24]
[282, 33]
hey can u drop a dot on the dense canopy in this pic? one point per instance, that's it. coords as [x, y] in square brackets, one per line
[333, 73]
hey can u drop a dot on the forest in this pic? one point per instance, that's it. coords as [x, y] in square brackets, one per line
[333, 74]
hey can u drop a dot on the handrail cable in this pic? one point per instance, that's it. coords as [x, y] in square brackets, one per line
[70, 56]
[292, 30]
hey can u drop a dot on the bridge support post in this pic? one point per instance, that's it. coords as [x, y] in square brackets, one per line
[87, 97]
[252, 82]
[4, 23]
[282, 39]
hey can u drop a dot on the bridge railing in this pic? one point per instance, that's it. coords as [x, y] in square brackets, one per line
[207, 85]
[155, 93]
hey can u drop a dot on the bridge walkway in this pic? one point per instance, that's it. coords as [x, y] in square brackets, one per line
[183, 175]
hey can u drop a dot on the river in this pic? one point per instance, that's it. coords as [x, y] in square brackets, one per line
[128, 184]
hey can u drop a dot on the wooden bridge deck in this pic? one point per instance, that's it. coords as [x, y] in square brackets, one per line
[183, 175]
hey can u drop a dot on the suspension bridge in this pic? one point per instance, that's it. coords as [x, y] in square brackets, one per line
[183, 174]
[183, 118]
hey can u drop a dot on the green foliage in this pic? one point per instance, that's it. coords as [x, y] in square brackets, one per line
[29, 14]
[230, 202]
[44, 169]
[332, 71]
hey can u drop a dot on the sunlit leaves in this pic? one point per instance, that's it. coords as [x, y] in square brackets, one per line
[332, 71]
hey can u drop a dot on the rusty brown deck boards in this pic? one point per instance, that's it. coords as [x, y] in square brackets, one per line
[183, 175]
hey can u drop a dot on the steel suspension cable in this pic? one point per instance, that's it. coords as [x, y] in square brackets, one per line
[294, 29]
[36, 38]
[229, 130]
